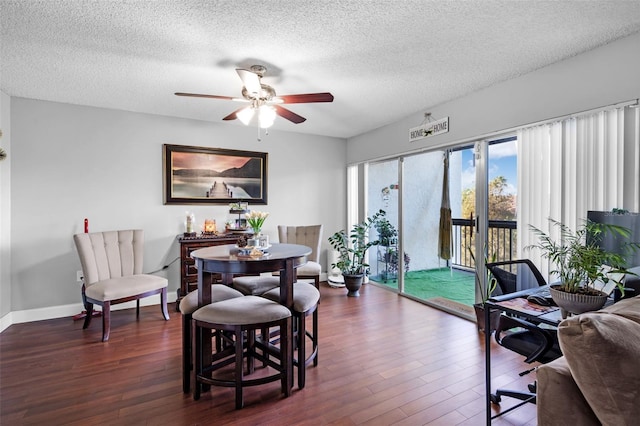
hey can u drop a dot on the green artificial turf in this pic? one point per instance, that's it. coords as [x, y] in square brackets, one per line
[444, 282]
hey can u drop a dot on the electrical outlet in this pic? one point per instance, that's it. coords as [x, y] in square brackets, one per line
[79, 276]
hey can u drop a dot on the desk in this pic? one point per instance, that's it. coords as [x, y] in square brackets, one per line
[549, 315]
[225, 260]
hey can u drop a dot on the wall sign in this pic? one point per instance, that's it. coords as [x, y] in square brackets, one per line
[428, 129]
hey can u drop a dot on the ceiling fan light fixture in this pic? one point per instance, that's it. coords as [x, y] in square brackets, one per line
[245, 115]
[266, 116]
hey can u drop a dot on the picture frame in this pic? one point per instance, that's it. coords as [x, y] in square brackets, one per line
[201, 175]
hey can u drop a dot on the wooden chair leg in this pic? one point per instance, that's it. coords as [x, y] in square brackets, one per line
[87, 319]
[137, 308]
[163, 304]
[106, 321]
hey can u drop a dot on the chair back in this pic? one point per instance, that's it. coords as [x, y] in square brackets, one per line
[309, 236]
[516, 275]
[110, 254]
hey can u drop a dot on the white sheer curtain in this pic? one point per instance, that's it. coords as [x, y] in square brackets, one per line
[569, 167]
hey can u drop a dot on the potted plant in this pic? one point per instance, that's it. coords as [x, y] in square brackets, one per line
[485, 293]
[583, 267]
[352, 249]
[387, 233]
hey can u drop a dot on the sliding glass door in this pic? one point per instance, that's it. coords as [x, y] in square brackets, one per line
[416, 256]
[383, 194]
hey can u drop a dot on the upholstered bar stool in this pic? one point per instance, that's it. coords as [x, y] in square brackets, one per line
[188, 306]
[241, 315]
[310, 236]
[305, 302]
[255, 285]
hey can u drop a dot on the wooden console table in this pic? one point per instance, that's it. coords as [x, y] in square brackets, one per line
[188, 272]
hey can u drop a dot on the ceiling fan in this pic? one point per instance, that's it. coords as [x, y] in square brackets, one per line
[262, 98]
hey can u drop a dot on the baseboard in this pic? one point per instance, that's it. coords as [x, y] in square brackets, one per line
[52, 312]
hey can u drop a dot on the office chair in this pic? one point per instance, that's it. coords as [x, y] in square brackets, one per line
[524, 337]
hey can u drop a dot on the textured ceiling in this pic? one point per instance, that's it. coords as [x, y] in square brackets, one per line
[382, 60]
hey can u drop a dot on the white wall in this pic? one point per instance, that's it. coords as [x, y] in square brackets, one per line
[71, 162]
[5, 208]
[603, 76]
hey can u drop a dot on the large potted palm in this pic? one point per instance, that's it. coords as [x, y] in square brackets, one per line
[485, 293]
[583, 267]
[352, 249]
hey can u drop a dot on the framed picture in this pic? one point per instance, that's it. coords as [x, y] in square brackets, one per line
[198, 175]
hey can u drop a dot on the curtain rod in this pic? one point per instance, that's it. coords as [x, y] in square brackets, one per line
[632, 102]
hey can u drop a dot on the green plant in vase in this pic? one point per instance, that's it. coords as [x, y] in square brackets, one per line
[583, 267]
[255, 220]
[352, 248]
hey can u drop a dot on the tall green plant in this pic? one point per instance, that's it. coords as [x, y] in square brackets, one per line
[485, 293]
[578, 258]
[352, 247]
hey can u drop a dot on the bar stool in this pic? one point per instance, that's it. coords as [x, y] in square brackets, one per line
[241, 315]
[188, 306]
[255, 285]
[306, 298]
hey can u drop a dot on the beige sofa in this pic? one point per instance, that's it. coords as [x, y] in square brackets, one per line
[597, 381]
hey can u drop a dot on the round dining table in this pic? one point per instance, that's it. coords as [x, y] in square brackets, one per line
[229, 260]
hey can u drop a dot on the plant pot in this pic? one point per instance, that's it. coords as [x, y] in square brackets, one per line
[576, 303]
[494, 318]
[353, 284]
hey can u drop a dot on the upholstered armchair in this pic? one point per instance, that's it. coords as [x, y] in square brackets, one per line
[112, 267]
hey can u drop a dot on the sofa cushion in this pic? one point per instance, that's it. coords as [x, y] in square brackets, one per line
[628, 308]
[602, 349]
[559, 400]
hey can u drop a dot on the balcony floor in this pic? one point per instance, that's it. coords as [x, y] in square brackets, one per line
[451, 284]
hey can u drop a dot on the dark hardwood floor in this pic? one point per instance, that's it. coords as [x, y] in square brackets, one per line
[384, 360]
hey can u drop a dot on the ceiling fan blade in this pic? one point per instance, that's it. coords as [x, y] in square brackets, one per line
[307, 98]
[289, 115]
[250, 80]
[197, 95]
[233, 115]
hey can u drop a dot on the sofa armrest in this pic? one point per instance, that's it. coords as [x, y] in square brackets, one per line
[559, 400]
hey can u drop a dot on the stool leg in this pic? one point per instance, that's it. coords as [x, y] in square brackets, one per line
[315, 336]
[186, 353]
[300, 342]
[239, 368]
[197, 365]
[285, 361]
[251, 343]
[266, 338]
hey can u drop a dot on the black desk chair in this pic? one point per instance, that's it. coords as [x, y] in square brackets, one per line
[517, 334]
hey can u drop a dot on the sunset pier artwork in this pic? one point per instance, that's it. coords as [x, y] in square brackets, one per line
[223, 190]
[213, 175]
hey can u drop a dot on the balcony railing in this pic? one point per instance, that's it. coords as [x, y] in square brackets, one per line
[502, 242]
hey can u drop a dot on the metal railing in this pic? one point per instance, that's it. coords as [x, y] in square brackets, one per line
[502, 241]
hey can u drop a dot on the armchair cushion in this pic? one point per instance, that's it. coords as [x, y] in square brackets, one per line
[120, 287]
